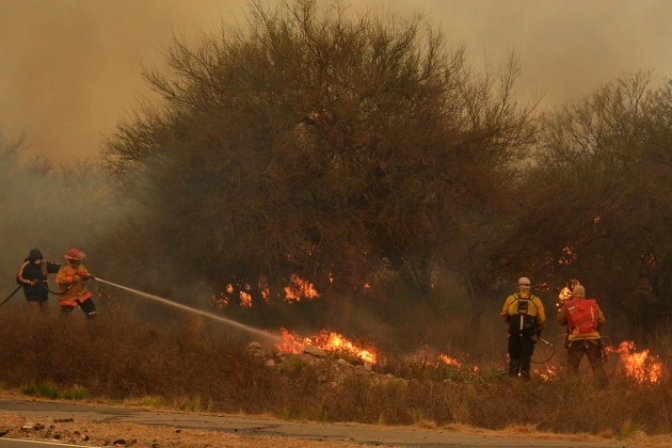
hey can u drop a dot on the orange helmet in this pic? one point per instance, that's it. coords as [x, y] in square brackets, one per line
[74, 254]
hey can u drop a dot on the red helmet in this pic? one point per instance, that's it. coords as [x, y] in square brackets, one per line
[74, 254]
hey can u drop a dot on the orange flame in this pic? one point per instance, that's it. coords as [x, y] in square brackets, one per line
[448, 360]
[327, 341]
[548, 373]
[299, 288]
[565, 294]
[640, 366]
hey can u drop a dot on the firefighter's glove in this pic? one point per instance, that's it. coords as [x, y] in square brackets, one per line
[90, 277]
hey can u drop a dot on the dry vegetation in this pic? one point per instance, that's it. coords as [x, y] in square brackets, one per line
[207, 369]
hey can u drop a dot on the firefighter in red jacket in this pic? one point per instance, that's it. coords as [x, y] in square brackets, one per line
[70, 280]
[583, 318]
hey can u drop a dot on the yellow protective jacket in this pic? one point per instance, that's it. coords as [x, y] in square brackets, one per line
[536, 310]
[574, 333]
[70, 281]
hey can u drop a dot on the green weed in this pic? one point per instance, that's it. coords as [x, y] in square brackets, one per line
[48, 390]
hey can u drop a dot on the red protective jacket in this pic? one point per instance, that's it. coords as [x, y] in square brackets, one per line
[70, 282]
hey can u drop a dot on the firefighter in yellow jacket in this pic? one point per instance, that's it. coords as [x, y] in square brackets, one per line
[525, 315]
[584, 319]
[70, 280]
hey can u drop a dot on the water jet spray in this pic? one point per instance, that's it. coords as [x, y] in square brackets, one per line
[193, 310]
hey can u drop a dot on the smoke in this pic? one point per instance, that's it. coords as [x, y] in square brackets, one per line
[72, 71]
[567, 48]
[72, 68]
[51, 208]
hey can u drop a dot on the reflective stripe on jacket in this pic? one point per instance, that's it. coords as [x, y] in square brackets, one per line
[69, 287]
[583, 317]
[30, 271]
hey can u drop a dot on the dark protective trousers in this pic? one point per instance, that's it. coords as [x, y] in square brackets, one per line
[591, 349]
[520, 355]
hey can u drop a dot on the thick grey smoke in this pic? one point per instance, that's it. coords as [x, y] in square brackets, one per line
[71, 68]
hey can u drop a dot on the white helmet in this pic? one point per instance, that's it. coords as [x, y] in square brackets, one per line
[523, 284]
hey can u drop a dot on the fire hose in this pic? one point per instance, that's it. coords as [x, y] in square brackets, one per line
[549, 344]
[43, 286]
[40, 284]
[540, 339]
[11, 295]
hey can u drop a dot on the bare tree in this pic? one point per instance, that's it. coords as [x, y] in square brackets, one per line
[597, 205]
[324, 145]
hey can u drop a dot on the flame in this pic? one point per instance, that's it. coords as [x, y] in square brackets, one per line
[640, 366]
[299, 288]
[222, 301]
[327, 341]
[245, 299]
[448, 360]
[430, 357]
[565, 294]
[549, 373]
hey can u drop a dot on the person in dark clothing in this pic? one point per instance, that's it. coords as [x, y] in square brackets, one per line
[32, 277]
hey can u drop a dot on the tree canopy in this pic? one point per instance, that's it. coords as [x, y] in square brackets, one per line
[350, 151]
[320, 144]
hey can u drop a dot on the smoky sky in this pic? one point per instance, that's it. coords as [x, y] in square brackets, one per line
[71, 69]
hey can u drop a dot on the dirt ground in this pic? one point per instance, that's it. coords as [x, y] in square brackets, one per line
[130, 435]
[97, 434]
[94, 433]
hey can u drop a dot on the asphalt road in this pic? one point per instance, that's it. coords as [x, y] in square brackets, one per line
[353, 433]
[15, 443]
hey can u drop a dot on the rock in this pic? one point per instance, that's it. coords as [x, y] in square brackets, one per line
[314, 351]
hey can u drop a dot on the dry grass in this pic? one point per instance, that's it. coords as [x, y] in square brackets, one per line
[120, 359]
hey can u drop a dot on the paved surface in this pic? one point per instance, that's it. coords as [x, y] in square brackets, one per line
[15, 443]
[354, 433]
